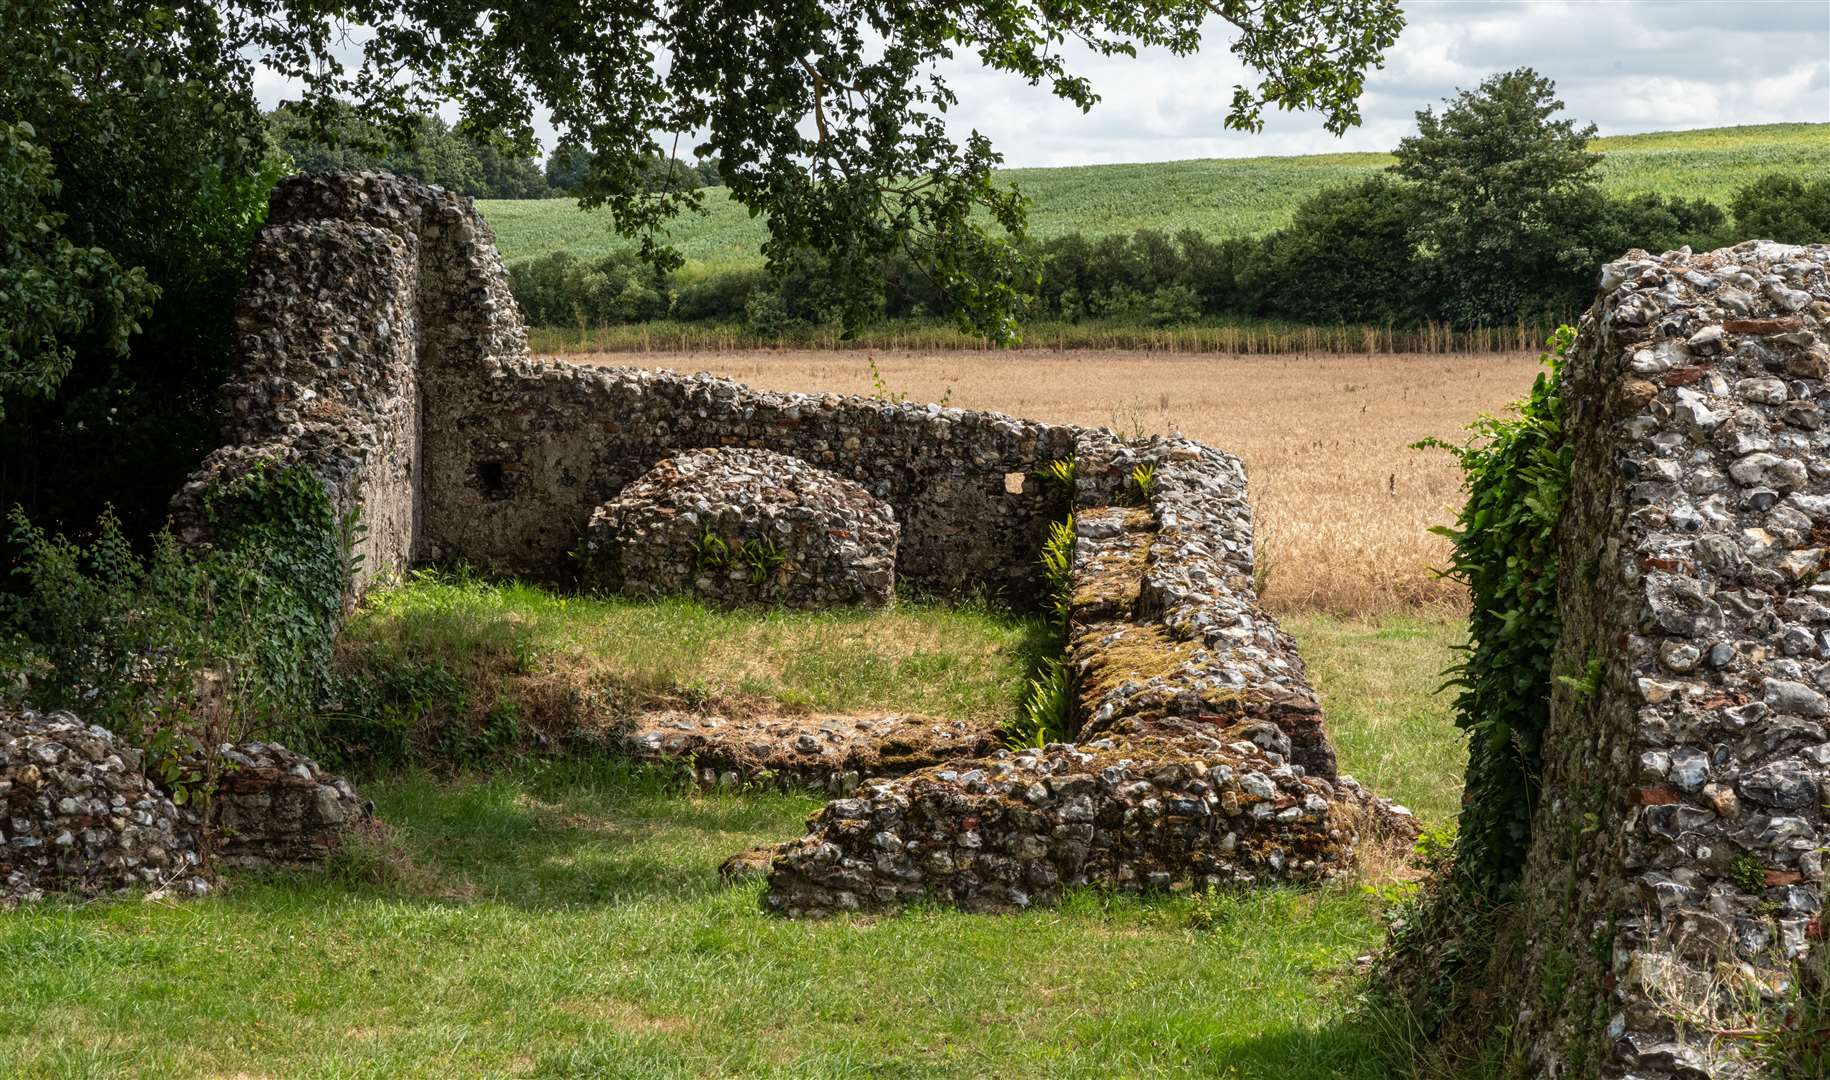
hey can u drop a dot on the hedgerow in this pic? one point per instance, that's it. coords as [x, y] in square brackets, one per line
[1348, 257]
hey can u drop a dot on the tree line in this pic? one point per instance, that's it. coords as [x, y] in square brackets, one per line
[1492, 215]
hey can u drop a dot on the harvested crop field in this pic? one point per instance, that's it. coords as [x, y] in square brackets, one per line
[1344, 505]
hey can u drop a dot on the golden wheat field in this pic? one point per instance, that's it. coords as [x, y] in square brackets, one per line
[1344, 507]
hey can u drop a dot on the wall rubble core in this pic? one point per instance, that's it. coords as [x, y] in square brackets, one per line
[742, 527]
[383, 351]
[79, 814]
[1677, 862]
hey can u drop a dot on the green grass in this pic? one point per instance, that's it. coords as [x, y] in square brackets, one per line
[1391, 728]
[1223, 197]
[963, 661]
[566, 919]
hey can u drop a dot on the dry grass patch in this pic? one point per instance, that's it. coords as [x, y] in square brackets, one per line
[1344, 506]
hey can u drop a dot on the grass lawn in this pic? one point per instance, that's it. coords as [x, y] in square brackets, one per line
[450, 670]
[566, 919]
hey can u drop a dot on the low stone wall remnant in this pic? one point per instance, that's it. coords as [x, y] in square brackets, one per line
[78, 814]
[524, 455]
[742, 527]
[825, 753]
[1201, 761]
[1675, 881]
[275, 807]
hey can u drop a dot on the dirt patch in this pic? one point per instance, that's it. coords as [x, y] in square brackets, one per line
[625, 1016]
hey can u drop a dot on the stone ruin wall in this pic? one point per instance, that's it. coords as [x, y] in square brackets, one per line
[382, 350]
[1675, 880]
[1201, 759]
[527, 451]
[79, 814]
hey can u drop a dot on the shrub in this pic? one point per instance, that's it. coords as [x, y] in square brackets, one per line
[720, 297]
[562, 290]
[1348, 256]
[1784, 208]
[234, 639]
[765, 313]
[1657, 223]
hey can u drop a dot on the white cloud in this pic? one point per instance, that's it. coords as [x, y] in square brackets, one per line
[1625, 65]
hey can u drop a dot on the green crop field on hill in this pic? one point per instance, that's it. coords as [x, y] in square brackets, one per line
[1224, 197]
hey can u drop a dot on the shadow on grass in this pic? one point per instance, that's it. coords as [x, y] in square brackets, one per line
[548, 836]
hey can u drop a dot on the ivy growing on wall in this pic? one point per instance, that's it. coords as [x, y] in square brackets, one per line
[1515, 472]
[285, 555]
[205, 645]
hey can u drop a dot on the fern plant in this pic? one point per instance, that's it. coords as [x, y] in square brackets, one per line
[1058, 567]
[1046, 713]
[1143, 480]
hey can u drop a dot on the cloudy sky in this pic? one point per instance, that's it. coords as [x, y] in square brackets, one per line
[1624, 65]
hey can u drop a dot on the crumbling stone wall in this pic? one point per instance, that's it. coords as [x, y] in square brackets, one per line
[379, 345]
[1201, 761]
[526, 454]
[822, 753]
[79, 815]
[274, 807]
[1675, 879]
[365, 295]
[1164, 617]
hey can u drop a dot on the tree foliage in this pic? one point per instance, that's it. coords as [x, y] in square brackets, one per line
[1786, 209]
[142, 152]
[146, 150]
[51, 289]
[1501, 178]
[831, 118]
[432, 151]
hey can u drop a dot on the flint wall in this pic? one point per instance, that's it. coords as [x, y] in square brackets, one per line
[1675, 880]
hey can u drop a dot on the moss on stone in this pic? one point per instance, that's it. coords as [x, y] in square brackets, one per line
[1140, 654]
